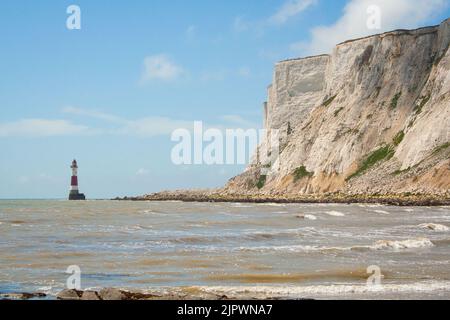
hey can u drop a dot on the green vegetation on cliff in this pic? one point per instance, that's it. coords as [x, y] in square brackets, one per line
[301, 173]
[383, 153]
[398, 138]
[327, 102]
[441, 148]
[261, 182]
[418, 108]
[395, 99]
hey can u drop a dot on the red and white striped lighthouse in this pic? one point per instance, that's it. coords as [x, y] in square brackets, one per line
[74, 192]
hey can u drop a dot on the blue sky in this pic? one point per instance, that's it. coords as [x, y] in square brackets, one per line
[110, 93]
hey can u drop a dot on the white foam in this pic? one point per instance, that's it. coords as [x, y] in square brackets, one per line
[307, 216]
[434, 227]
[241, 205]
[370, 205]
[152, 212]
[338, 289]
[381, 211]
[379, 245]
[296, 248]
[273, 204]
[49, 290]
[335, 213]
[403, 244]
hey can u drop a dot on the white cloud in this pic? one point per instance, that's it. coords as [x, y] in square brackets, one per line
[290, 9]
[143, 127]
[152, 126]
[92, 114]
[42, 128]
[160, 67]
[353, 22]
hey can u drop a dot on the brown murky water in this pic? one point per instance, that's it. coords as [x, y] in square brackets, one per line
[243, 250]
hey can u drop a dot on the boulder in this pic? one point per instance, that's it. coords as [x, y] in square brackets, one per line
[90, 295]
[112, 294]
[69, 294]
[22, 296]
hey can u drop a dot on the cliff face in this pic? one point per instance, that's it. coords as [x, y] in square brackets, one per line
[374, 116]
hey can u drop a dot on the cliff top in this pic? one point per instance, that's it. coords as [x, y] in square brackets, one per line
[303, 58]
[417, 31]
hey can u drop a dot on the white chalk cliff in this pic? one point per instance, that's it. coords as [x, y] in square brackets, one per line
[372, 117]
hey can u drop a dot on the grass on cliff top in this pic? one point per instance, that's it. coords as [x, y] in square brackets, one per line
[383, 153]
[394, 101]
[301, 173]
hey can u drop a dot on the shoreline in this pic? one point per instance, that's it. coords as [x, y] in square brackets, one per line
[401, 200]
[401, 291]
[177, 294]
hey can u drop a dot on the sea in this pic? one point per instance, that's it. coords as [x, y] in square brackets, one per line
[240, 250]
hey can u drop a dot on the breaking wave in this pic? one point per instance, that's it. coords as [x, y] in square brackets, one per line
[404, 244]
[307, 216]
[381, 211]
[379, 245]
[152, 212]
[339, 289]
[335, 213]
[434, 227]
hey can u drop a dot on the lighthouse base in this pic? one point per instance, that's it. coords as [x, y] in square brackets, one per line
[77, 196]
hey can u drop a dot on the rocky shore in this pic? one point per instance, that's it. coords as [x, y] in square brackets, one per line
[217, 196]
[23, 296]
[119, 294]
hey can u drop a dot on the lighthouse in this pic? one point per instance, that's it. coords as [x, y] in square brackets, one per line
[74, 192]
